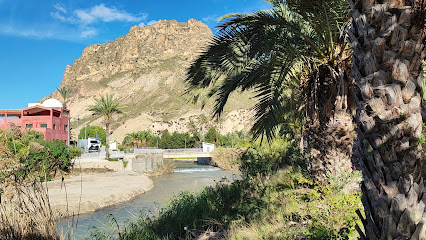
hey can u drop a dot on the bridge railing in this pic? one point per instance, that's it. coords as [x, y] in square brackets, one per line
[112, 154]
[147, 151]
[184, 150]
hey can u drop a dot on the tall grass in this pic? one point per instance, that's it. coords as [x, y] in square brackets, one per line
[227, 158]
[25, 212]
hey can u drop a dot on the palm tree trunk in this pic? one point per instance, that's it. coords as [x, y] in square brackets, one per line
[329, 133]
[107, 139]
[388, 44]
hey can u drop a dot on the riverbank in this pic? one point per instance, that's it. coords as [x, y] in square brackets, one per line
[89, 192]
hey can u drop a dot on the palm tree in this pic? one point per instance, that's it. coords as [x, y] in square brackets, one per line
[295, 59]
[106, 106]
[388, 41]
[65, 92]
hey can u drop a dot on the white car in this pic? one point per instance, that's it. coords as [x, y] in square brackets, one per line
[94, 144]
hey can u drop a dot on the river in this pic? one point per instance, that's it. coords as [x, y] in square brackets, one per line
[187, 177]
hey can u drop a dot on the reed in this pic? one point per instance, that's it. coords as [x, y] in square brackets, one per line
[25, 212]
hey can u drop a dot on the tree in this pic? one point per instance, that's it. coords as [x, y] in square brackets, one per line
[139, 138]
[93, 131]
[212, 135]
[65, 92]
[388, 40]
[106, 106]
[295, 59]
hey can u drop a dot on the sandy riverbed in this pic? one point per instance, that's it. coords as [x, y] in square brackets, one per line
[96, 190]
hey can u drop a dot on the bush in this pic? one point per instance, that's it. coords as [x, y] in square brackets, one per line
[75, 152]
[267, 159]
[38, 157]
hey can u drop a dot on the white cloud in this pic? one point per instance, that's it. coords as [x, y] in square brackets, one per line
[84, 17]
[88, 33]
[106, 14]
[210, 19]
[60, 7]
[57, 15]
[84, 20]
[40, 32]
[151, 22]
[141, 24]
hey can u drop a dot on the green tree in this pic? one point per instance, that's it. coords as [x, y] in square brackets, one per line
[297, 45]
[65, 92]
[388, 40]
[93, 131]
[138, 139]
[212, 135]
[166, 140]
[106, 106]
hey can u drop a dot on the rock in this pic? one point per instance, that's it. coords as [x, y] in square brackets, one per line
[145, 69]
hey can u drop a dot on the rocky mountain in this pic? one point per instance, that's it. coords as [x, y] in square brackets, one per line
[145, 69]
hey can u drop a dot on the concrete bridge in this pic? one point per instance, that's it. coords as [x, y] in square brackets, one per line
[184, 154]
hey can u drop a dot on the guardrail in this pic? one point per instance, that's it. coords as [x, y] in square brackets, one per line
[147, 151]
[112, 154]
[184, 150]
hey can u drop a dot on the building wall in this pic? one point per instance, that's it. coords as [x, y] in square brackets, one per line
[50, 133]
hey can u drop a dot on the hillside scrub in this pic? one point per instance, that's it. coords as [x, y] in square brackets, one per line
[278, 203]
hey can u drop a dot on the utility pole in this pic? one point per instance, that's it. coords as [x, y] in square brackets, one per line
[204, 140]
[85, 132]
[69, 129]
[78, 133]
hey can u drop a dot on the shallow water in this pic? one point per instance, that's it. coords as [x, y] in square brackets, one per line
[186, 177]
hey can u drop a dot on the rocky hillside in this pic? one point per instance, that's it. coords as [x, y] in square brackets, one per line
[145, 69]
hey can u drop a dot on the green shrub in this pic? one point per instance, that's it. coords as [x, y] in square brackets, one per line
[75, 152]
[38, 157]
[267, 159]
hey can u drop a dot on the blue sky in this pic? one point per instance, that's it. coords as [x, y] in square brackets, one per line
[39, 38]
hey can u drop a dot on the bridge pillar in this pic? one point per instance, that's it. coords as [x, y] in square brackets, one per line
[204, 160]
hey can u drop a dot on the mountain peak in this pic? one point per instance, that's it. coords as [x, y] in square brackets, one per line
[145, 69]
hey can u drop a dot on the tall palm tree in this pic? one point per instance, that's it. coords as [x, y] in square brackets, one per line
[388, 40]
[106, 106]
[295, 59]
[65, 92]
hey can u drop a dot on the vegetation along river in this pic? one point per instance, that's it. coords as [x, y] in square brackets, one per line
[186, 177]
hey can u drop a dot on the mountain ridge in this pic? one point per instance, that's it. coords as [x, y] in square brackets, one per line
[145, 69]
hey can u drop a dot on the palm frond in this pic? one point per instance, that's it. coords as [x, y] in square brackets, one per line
[105, 106]
[271, 52]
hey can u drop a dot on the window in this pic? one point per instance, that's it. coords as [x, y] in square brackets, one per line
[43, 125]
[54, 126]
[65, 128]
[29, 126]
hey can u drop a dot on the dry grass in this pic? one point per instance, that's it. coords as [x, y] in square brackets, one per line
[25, 212]
[165, 168]
[227, 158]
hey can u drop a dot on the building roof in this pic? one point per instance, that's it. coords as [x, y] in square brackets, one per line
[10, 110]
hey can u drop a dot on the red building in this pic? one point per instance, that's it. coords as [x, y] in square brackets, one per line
[50, 118]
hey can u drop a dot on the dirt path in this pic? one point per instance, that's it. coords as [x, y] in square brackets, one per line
[95, 190]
